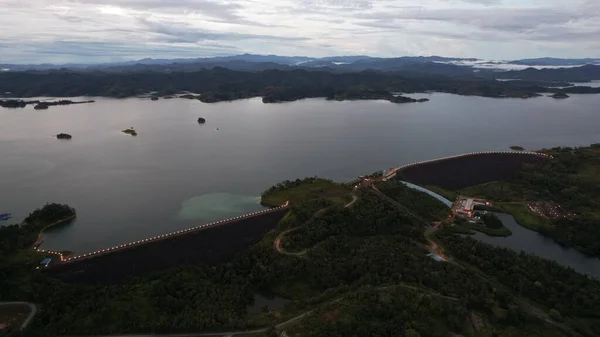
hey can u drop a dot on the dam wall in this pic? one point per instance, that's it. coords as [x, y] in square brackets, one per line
[467, 170]
[213, 244]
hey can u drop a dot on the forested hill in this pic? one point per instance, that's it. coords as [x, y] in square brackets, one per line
[224, 84]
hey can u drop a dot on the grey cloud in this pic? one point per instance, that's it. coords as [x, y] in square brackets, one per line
[493, 22]
[61, 51]
[219, 11]
[186, 33]
[191, 28]
[497, 18]
[482, 2]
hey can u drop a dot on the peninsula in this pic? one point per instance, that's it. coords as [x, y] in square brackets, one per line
[345, 256]
[130, 131]
[273, 85]
[39, 105]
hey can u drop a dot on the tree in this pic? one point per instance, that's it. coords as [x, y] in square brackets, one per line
[555, 315]
[411, 333]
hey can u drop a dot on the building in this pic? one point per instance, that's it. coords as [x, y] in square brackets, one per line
[465, 206]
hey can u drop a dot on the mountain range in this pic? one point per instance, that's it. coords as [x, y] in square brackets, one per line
[335, 63]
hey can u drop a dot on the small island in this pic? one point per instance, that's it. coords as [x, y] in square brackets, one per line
[560, 95]
[130, 131]
[517, 148]
[201, 120]
[527, 95]
[404, 99]
[15, 103]
[64, 136]
[189, 96]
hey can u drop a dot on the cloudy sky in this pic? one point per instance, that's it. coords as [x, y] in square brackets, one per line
[37, 31]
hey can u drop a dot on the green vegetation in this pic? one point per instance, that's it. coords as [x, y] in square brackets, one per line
[14, 314]
[517, 148]
[525, 217]
[47, 215]
[220, 84]
[528, 277]
[17, 103]
[130, 131]
[418, 202]
[491, 220]
[365, 273]
[495, 190]
[560, 95]
[571, 179]
[362, 93]
[16, 260]
[300, 190]
[386, 311]
[466, 227]
[450, 195]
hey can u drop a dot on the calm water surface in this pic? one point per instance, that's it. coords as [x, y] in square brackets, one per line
[523, 239]
[178, 174]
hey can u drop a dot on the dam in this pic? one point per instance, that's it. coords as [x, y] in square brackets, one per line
[205, 244]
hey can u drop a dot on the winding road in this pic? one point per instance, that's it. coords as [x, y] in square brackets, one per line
[280, 325]
[32, 311]
[277, 242]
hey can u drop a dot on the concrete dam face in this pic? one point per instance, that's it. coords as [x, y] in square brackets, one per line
[468, 170]
[213, 245]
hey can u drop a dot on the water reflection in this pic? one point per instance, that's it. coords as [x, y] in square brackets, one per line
[126, 188]
[537, 244]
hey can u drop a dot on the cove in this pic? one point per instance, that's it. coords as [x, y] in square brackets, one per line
[534, 243]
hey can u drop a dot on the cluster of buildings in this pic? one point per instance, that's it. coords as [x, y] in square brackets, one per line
[465, 206]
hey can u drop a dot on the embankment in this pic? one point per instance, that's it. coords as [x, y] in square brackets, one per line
[212, 245]
[468, 170]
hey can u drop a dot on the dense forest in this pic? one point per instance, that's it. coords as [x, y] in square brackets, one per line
[365, 271]
[570, 295]
[220, 84]
[420, 203]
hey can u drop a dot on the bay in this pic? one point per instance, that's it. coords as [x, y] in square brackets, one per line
[177, 174]
[523, 239]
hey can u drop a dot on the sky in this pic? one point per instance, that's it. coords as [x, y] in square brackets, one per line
[94, 31]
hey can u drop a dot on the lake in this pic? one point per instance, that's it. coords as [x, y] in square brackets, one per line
[177, 174]
[523, 239]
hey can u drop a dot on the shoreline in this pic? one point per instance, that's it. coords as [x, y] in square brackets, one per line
[39, 240]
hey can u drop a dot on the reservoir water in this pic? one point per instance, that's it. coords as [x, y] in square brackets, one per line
[177, 173]
[523, 239]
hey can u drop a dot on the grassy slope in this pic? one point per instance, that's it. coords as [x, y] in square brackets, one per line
[419, 202]
[525, 217]
[585, 171]
[319, 189]
[467, 228]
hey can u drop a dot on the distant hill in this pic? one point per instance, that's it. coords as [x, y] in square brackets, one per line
[562, 70]
[351, 63]
[574, 74]
[550, 61]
